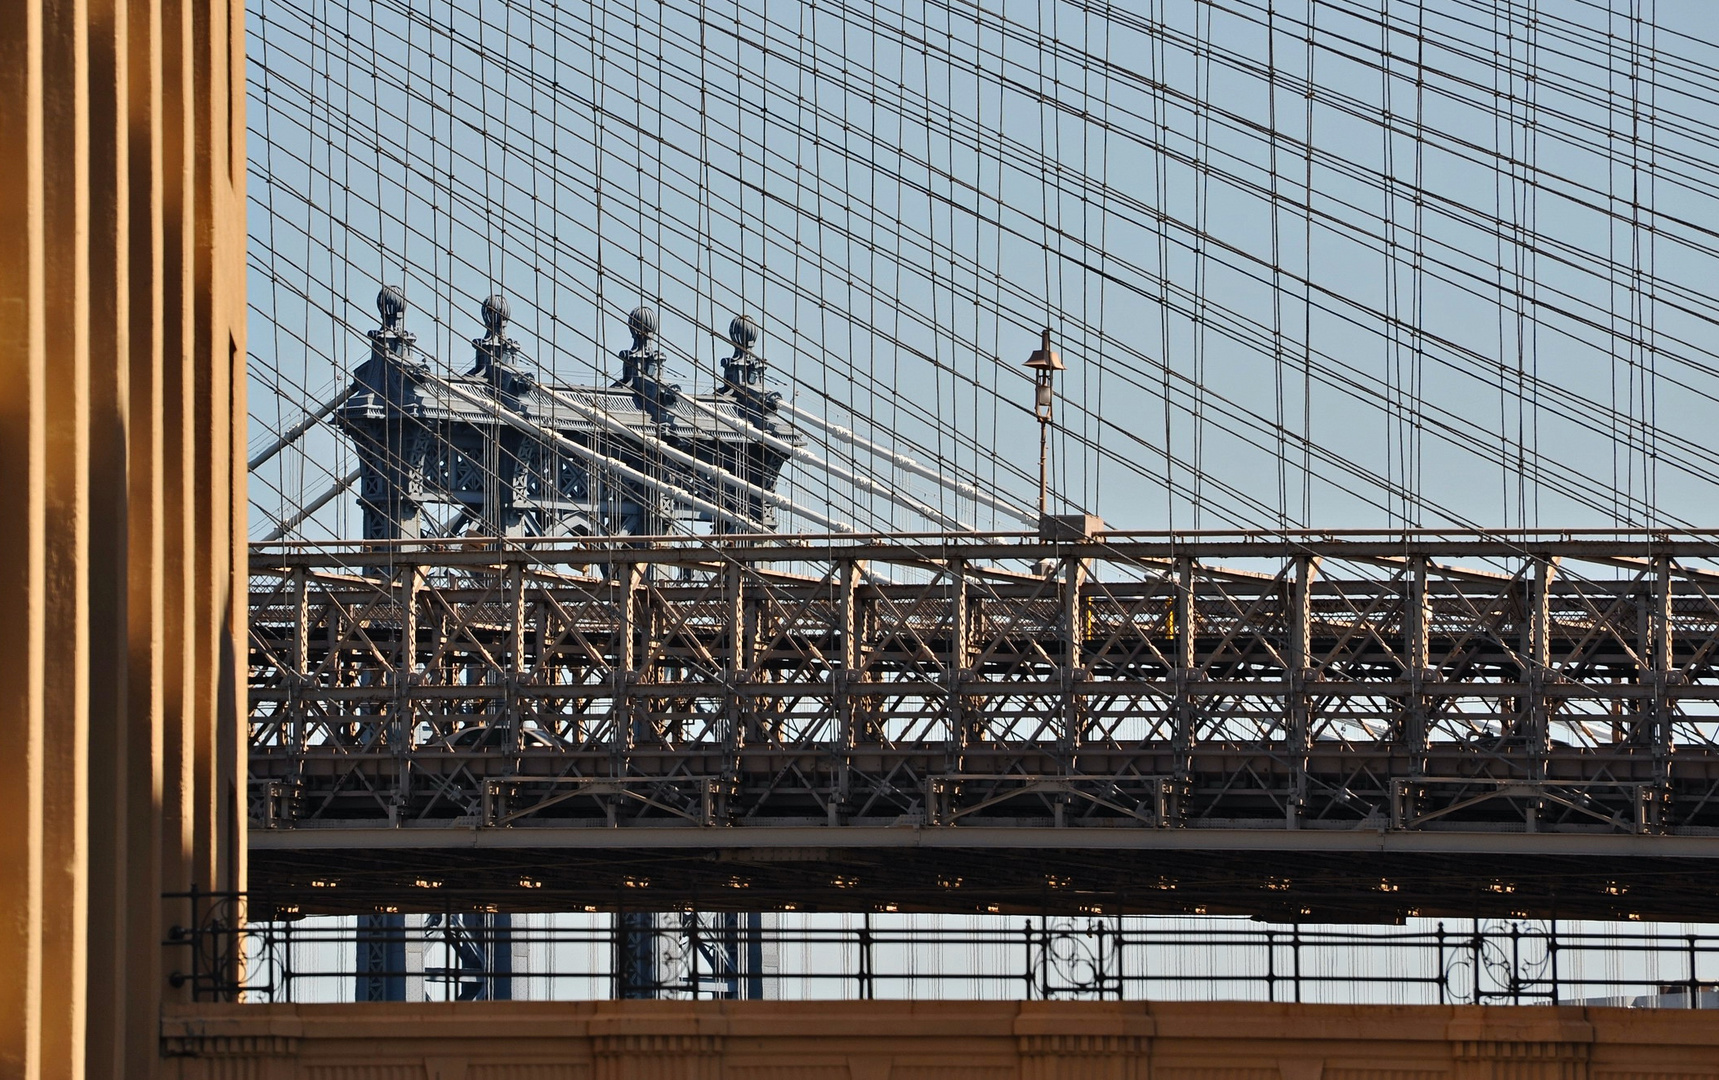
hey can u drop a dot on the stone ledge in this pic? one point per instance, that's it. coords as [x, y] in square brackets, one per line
[640, 1040]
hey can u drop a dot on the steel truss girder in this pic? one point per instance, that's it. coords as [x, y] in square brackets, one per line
[1536, 685]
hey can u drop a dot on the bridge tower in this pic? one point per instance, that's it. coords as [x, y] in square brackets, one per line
[507, 456]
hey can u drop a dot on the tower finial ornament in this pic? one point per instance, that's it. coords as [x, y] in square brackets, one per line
[743, 332]
[643, 360]
[644, 326]
[745, 367]
[497, 353]
[496, 313]
[391, 303]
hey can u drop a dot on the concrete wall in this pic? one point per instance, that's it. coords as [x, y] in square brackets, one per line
[122, 345]
[639, 1040]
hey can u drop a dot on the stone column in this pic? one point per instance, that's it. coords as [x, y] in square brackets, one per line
[1083, 1041]
[1503, 1044]
[646, 1055]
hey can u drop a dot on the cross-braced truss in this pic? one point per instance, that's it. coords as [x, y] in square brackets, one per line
[1450, 685]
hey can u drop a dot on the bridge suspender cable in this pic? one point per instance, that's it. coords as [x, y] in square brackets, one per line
[865, 483]
[907, 464]
[309, 508]
[709, 471]
[608, 423]
[292, 433]
[593, 457]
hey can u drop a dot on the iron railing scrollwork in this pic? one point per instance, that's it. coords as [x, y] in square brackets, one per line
[464, 956]
[206, 944]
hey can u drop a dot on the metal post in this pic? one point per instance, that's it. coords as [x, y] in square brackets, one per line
[1027, 958]
[1044, 958]
[517, 670]
[1416, 619]
[1044, 364]
[1044, 468]
[1515, 964]
[299, 733]
[1694, 980]
[1662, 710]
[1117, 958]
[1271, 965]
[286, 973]
[1538, 734]
[960, 634]
[1552, 955]
[1476, 947]
[1295, 686]
[1443, 976]
[753, 922]
[1184, 630]
[689, 923]
[636, 946]
[1074, 635]
[401, 725]
[866, 974]
[734, 735]
[852, 625]
[497, 932]
[637, 971]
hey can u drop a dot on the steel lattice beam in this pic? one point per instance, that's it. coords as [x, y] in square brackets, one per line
[1440, 686]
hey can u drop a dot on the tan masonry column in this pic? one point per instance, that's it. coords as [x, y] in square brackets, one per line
[658, 1045]
[68, 625]
[140, 972]
[1069, 1040]
[121, 370]
[1505, 1043]
[22, 448]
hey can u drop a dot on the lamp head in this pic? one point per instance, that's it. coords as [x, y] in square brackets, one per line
[1045, 360]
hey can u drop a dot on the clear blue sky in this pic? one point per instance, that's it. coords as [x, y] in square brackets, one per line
[1483, 295]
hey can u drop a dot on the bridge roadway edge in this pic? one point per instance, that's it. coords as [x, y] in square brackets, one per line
[957, 1040]
[1302, 875]
[979, 837]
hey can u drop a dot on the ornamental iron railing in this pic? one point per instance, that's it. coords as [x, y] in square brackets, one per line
[880, 955]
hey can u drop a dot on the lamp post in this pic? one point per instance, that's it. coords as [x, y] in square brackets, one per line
[1045, 363]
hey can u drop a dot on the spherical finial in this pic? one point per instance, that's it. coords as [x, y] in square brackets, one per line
[743, 332]
[391, 302]
[496, 312]
[643, 321]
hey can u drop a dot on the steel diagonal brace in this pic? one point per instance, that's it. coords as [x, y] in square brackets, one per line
[596, 788]
[1055, 787]
[1510, 790]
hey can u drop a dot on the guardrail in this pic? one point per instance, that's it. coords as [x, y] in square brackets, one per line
[455, 956]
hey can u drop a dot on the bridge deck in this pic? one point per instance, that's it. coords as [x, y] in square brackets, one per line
[1374, 707]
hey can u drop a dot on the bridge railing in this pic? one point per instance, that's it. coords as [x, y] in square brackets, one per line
[442, 956]
[1520, 681]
